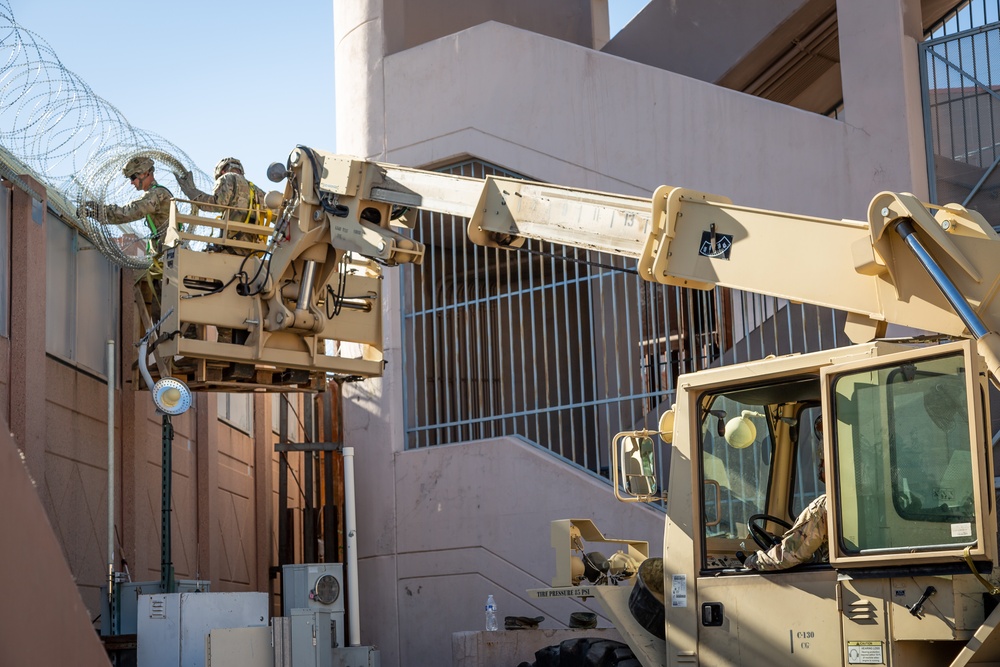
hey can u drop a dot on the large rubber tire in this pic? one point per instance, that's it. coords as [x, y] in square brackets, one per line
[585, 652]
[646, 601]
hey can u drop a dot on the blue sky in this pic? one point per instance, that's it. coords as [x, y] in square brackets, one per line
[209, 76]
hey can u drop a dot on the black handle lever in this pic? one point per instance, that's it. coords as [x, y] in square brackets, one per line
[917, 607]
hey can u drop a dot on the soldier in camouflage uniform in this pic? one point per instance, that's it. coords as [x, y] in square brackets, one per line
[236, 198]
[806, 540]
[154, 205]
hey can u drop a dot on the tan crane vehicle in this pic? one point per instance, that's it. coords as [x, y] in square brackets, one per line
[911, 524]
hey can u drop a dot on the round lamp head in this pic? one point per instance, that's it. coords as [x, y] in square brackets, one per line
[740, 431]
[171, 396]
[666, 426]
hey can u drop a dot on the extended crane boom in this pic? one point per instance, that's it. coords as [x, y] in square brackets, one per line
[305, 300]
[905, 265]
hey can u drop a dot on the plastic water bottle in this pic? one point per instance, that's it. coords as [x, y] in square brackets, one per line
[491, 614]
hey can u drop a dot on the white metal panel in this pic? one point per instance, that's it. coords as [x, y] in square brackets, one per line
[172, 628]
[239, 647]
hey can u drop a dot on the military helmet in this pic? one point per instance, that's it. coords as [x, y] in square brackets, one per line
[228, 164]
[139, 164]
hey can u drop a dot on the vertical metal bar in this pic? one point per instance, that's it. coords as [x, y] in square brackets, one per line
[925, 95]
[584, 385]
[491, 312]
[411, 411]
[423, 322]
[480, 312]
[167, 584]
[329, 493]
[505, 374]
[624, 385]
[544, 286]
[284, 548]
[524, 364]
[612, 386]
[110, 361]
[594, 294]
[439, 347]
[308, 523]
[567, 360]
[351, 529]
[463, 330]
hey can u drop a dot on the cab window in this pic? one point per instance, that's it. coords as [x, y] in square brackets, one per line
[904, 467]
[735, 477]
[808, 452]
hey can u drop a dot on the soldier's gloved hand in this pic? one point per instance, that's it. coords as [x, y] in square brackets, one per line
[184, 179]
[751, 562]
[89, 208]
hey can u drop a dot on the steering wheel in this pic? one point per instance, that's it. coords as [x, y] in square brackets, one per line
[764, 539]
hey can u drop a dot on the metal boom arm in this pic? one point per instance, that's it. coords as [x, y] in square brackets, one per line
[692, 239]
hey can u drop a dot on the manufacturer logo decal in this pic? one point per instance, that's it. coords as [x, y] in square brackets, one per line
[715, 245]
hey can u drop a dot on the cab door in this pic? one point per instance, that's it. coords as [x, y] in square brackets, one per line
[762, 618]
[910, 501]
[909, 458]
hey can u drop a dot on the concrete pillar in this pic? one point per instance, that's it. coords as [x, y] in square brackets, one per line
[27, 326]
[358, 33]
[881, 83]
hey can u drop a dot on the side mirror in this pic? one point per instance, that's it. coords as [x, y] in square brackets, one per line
[633, 465]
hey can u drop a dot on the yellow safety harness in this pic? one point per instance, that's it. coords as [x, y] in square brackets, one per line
[155, 270]
[256, 214]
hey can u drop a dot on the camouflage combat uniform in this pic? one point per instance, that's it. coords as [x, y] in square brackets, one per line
[231, 189]
[154, 206]
[805, 542]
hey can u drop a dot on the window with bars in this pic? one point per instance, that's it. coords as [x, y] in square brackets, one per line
[561, 346]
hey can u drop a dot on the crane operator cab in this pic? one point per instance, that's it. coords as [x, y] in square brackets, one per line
[910, 518]
[908, 486]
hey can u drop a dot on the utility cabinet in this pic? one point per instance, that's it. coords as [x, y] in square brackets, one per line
[172, 628]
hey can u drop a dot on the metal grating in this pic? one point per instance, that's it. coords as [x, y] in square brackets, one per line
[961, 96]
[565, 347]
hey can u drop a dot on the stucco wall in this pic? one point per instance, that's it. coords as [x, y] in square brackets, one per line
[698, 38]
[564, 113]
[472, 520]
[560, 112]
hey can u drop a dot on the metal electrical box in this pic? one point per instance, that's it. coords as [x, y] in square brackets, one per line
[317, 586]
[357, 656]
[172, 628]
[128, 598]
[313, 638]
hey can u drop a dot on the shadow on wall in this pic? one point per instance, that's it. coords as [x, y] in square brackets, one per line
[40, 591]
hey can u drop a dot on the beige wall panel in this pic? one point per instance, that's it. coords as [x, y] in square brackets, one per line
[473, 520]
[410, 23]
[562, 113]
[38, 579]
[702, 39]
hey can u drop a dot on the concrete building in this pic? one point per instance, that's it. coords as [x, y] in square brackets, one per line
[804, 106]
[506, 377]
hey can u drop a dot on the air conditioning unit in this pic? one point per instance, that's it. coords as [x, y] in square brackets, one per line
[315, 586]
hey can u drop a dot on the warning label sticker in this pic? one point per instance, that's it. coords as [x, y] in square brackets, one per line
[679, 591]
[864, 653]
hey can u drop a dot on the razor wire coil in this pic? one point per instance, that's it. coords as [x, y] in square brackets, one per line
[76, 142]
